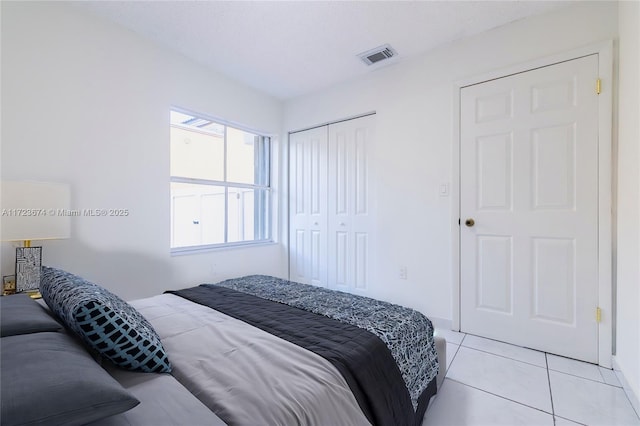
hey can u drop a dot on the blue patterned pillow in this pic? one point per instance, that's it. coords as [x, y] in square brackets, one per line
[103, 321]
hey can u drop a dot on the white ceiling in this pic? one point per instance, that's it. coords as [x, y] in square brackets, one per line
[290, 48]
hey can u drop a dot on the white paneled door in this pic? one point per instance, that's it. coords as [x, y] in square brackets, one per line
[331, 205]
[308, 206]
[529, 209]
[350, 204]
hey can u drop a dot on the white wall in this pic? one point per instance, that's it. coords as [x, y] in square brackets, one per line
[87, 102]
[414, 104]
[628, 209]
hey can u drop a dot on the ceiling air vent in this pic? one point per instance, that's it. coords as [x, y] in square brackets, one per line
[378, 54]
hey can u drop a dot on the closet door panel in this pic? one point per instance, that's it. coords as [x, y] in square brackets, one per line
[308, 206]
[350, 221]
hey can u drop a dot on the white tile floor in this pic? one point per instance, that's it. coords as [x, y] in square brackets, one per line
[493, 383]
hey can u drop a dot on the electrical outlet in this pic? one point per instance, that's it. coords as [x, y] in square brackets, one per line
[403, 272]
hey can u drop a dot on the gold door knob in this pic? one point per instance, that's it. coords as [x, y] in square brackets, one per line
[469, 222]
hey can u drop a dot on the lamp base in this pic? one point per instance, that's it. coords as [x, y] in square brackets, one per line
[34, 294]
[28, 263]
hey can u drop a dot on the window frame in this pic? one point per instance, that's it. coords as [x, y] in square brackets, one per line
[264, 220]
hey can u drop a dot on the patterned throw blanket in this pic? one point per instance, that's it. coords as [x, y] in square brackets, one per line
[360, 357]
[407, 333]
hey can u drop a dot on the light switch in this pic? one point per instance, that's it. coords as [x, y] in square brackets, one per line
[444, 190]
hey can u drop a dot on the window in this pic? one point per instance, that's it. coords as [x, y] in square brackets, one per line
[220, 189]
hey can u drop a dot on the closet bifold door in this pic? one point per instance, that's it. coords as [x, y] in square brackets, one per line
[331, 205]
[308, 206]
[350, 204]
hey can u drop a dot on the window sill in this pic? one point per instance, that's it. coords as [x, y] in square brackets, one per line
[182, 251]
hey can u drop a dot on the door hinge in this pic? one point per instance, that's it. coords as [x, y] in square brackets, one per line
[598, 314]
[598, 86]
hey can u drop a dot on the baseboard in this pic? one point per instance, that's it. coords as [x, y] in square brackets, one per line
[442, 323]
[635, 402]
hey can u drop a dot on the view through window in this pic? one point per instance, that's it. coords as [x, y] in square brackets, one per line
[220, 189]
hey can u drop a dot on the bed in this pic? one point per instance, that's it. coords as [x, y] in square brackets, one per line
[255, 350]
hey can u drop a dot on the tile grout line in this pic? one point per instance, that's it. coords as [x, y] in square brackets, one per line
[569, 420]
[594, 381]
[548, 370]
[633, 407]
[584, 378]
[603, 382]
[602, 375]
[452, 359]
[454, 355]
[500, 396]
[504, 356]
[553, 410]
[462, 341]
[597, 366]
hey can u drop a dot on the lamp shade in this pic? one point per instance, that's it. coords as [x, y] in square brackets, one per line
[34, 210]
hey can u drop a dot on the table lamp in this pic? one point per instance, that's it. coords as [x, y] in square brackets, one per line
[33, 211]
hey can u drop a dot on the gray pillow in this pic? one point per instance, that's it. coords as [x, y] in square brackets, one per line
[163, 401]
[49, 378]
[20, 314]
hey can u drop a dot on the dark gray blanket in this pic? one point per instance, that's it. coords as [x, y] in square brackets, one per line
[362, 358]
[407, 333]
